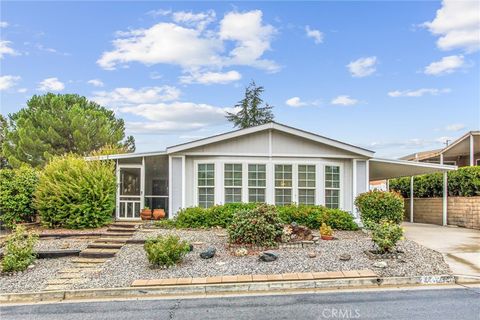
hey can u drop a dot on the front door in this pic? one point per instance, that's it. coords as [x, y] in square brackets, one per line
[130, 191]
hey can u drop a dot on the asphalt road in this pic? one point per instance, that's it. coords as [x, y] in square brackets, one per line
[402, 304]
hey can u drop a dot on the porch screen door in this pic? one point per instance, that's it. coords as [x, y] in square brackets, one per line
[130, 192]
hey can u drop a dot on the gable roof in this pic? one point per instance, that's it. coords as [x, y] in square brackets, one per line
[271, 126]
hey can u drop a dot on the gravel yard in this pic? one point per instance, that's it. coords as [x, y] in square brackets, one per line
[46, 244]
[131, 262]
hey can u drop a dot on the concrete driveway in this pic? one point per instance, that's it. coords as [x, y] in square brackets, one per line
[459, 246]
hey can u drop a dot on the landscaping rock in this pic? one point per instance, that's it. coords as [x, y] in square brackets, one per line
[190, 247]
[312, 254]
[241, 252]
[268, 256]
[380, 264]
[345, 257]
[208, 254]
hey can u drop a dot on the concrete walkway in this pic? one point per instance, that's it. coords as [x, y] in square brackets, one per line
[459, 246]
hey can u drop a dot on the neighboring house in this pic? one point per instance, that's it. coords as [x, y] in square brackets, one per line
[462, 152]
[270, 163]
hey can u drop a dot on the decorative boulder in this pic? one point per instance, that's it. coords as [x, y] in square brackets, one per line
[268, 256]
[190, 247]
[208, 254]
[312, 254]
[345, 257]
[380, 264]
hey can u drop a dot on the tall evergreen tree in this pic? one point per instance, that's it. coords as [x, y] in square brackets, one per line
[55, 124]
[251, 111]
[3, 126]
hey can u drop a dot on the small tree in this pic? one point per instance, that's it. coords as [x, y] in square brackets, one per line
[251, 112]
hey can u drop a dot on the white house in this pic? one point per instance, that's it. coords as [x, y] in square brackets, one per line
[271, 163]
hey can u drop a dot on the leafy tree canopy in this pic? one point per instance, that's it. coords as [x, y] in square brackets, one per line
[55, 124]
[251, 111]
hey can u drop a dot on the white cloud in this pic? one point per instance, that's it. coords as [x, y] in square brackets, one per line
[155, 75]
[5, 48]
[362, 67]
[196, 20]
[455, 127]
[175, 116]
[295, 102]
[7, 82]
[418, 92]
[22, 90]
[3, 24]
[211, 77]
[316, 35]
[96, 82]
[51, 84]
[445, 65]
[120, 97]
[344, 101]
[194, 47]
[457, 23]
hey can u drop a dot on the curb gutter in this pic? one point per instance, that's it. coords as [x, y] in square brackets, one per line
[215, 289]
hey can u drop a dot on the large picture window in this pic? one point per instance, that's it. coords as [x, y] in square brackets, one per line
[233, 182]
[332, 186]
[206, 185]
[306, 184]
[283, 184]
[257, 182]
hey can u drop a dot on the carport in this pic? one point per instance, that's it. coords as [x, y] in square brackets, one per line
[384, 169]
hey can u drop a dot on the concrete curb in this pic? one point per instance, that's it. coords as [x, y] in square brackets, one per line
[216, 289]
[466, 279]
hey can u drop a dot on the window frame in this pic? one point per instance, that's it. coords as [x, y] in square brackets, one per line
[256, 186]
[232, 187]
[291, 188]
[338, 189]
[198, 187]
[307, 180]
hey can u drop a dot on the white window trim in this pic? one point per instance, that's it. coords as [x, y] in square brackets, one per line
[340, 188]
[307, 188]
[246, 197]
[232, 187]
[219, 165]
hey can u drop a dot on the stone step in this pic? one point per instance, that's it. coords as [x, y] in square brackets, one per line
[89, 260]
[126, 225]
[117, 234]
[111, 240]
[105, 245]
[98, 253]
[120, 230]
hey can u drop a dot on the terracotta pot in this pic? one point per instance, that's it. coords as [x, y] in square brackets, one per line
[158, 214]
[146, 214]
[326, 237]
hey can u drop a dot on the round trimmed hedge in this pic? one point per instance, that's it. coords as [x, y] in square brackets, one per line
[375, 206]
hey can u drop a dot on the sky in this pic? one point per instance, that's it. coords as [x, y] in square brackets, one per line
[393, 77]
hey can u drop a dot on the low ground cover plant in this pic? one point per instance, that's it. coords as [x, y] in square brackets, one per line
[75, 193]
[260, 226]
[17, 187]
[165, 251]
[385, 235]
[18, 253]
[313, 216]
[375, 206]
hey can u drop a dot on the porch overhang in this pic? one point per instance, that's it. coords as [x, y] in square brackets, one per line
[383, 169]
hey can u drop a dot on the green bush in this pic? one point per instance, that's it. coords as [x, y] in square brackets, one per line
[75, 193]
[165, 224]
[464, 182]
[313, 216]
[16, 195]
[375, 206]
[18, 253]
[165, 251]
[259, 226]
[386, 234]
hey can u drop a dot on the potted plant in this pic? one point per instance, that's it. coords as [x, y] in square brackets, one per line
[326, 232]
[146, 213]
[158, 214]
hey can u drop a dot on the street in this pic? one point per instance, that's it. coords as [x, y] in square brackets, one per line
[445, 303]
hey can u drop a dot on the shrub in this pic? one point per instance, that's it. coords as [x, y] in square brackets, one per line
[313, 216]
[18, 253]
[16, 195]
[386, 234]
[259, 226]
[165, 251]
[375, 206]
[75, 193]
[165, 224]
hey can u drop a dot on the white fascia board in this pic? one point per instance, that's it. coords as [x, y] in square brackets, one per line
[126, 155]
[416, 164]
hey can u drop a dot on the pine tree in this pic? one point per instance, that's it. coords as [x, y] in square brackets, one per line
[55, 124]
[251, 112]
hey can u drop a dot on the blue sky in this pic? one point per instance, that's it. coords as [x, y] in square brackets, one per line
[394, 77]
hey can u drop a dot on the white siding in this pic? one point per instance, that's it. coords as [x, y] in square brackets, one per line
[176, 185]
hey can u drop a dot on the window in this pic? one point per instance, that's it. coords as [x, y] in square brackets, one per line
[332, 186]
[206, 185]
[283, 184]
[306, 184]
[257, 177]
[233, 182]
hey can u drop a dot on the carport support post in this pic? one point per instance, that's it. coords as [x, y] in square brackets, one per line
[411, 199]
[445, 199]
[471, 151]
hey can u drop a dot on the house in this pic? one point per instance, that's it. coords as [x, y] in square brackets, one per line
[465, 151]
[271, 163]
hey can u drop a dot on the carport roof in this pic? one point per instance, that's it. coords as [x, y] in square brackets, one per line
[381, 169]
